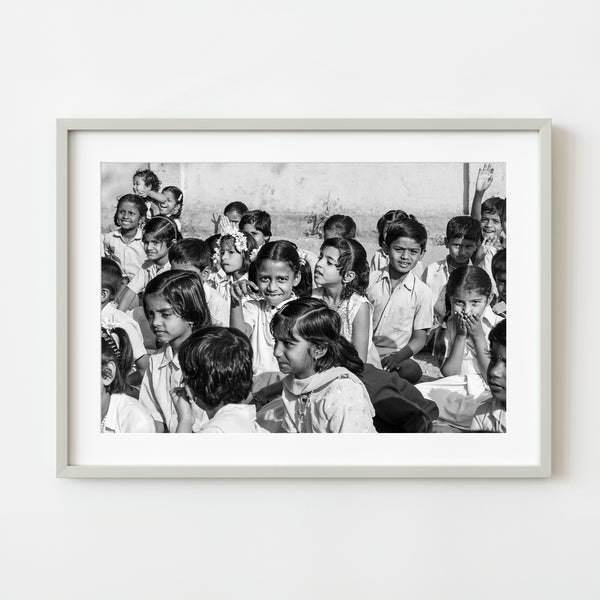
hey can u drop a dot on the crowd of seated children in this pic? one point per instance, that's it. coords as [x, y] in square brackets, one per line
[241, 333]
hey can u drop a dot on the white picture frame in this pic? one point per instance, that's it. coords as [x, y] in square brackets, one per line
[313, 456]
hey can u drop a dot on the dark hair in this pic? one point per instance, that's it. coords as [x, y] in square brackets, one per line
[499, 262]
[163, 228]
[385, 220]
[118, 352]
[342, 224]
[287, 252]
[251, 245]
[183, 290]
[494, 205]
[238, 207]
[213, 242]
[191, 251]
[471, 279]
[111, 276]
[408, 228]
[149, 178]
[260, 219]
[138, 201]
[312, 320]
[216, 363]
[178, 195]
[464, 228]
[498, 333]
[353, 257]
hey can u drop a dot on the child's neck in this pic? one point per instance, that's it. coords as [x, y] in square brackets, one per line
[176, 343]
[332, 294]
[161, 262]
[452, 264]
[237, 275]
[128, 234]
[396, 277]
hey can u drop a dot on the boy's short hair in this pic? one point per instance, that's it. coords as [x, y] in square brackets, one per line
[216, 363]
[191, 251]
[495, 205]
[408, 228]
[498, 334]
[239, 207]
[499, 262]
[111, 277]
[260, 219]
[343, 224]
[463, 227]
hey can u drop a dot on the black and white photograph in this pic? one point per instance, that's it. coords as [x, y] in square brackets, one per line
[303, 297]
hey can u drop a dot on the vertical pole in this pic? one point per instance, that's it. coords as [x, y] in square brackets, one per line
[466, 189]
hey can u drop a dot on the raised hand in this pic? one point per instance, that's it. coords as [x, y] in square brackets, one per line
[216, 219]
[461, 324]
[240, 289]
[485, 176]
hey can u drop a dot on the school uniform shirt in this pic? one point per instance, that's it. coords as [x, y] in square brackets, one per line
[148, 271]
[113, 317]
[126, 415]
[130, 256]
[380, 261]
[490, 416]
[470, 364]
[234, 418]
[332, 401]
[164, 374]
[258, 314]
[399, 312]
[217, 306]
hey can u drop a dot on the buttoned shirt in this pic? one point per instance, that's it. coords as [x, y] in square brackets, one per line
[398, 312]
[148, 271]
[130, 256]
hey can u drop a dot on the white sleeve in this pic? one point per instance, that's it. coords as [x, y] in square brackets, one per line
[138, 283]
[347, 408]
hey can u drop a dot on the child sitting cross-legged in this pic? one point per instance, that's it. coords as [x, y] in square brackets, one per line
[216, 363]
[462, 238]
[490, 415]
[402, 303]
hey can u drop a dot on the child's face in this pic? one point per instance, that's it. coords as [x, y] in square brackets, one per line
[491, 224]
[276, 281]
[259, 236]
[404, 253]
[140, 188]
[295, 357]
[128, 216]
[468, 302]
[327, 267]
[461, 249]
[183, 266]
[500, 279]
[164, 322]
[234, 217]
[155, 249]
[496, 372]
[168, 205]
[231, 260]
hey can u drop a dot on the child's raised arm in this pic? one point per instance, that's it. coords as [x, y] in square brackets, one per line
[239, 290]
[485, 176]
[453, 362]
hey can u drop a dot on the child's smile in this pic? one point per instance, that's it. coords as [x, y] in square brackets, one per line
[168, 205]
[404, 254]
[276, 281]
[128, 216]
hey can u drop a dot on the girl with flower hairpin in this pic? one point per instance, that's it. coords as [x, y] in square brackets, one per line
[236, 252]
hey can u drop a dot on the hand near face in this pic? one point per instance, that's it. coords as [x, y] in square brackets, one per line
[461, 324]
[474, 327]
[181, 401]
[242, 289]
[485, 176]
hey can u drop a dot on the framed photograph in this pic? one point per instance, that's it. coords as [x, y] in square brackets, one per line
[400, 221]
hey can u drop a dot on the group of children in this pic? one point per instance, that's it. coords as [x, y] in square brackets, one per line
[239, 333]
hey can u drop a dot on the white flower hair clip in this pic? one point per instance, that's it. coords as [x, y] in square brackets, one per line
[302, 254]
[216, 256]
[239, 241]
[253, 254]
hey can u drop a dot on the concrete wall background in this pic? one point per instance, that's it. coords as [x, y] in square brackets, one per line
[417, 539]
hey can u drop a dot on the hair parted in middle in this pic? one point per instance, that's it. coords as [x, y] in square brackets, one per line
[184, 291]
[343, 225]
[163, 228]
[353, 257]
[216, 363]
[312, 320]
[287, 252]
[469, 278]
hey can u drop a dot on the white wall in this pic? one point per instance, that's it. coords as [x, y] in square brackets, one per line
[296, 539]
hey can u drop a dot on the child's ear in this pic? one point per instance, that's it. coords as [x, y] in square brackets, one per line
[109, 372]
[104, 295]
[297, 278]
[318, 351]
[205, 273]
[385, 248]
[348, 277]
[446, 242]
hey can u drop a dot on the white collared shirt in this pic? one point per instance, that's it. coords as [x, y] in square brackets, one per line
[398, 312]
[164, 374]
[233, 418]
[129, 255]
[148, 271]
[217, 306]
[127, 415]
[380, 261]
[490, 416]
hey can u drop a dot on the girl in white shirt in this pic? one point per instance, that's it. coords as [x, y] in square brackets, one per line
[320, 395]
[216, 363]
[175, 306]
[119, 412]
